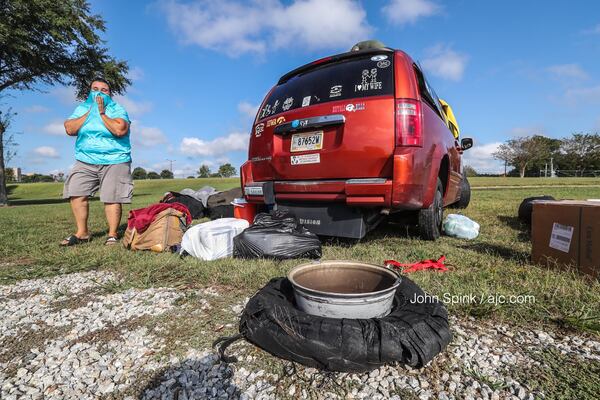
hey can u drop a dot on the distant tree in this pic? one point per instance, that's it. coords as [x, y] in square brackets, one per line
[204, 171]
[214, 175]
[52, 43]
[9, 174]
[34, 178]
[139, 173]
[7, 145]
[191, 177]
[153, 175]
[580, 152]
[469, 171]
[227, 170]
[522, 152]
[166, 174]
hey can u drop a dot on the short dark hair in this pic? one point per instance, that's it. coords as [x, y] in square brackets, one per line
[100, 79]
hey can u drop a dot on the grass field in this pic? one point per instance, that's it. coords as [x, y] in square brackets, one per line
[496, 263]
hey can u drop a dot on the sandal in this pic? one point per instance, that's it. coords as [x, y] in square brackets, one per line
[74, 240]
[111, 241]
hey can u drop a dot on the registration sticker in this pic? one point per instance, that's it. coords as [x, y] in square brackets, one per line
[307, 141]
[314, 158]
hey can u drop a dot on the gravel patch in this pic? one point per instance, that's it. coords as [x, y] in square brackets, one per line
[67, 338]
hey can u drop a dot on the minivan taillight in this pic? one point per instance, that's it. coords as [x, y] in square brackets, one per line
[409, 129]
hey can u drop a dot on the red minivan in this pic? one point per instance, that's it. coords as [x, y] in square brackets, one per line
[347, 140]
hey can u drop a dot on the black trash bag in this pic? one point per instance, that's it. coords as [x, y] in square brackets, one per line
[526, 208]
[277, 236]
[412, 334]
[219, 204]
[195, 206]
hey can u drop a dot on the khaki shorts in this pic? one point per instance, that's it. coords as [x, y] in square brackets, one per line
[114, 182]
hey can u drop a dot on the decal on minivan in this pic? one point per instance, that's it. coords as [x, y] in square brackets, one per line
[287, 104]
[383, 64]
[349, 107]
[275, 121]
[335, 91]
[379, 57]
[306, 101]
[368, 81]
[258, 130]
[314, 158]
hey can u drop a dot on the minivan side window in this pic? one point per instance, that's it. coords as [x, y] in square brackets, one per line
[427, 93]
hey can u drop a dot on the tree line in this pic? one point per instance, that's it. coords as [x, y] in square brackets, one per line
[225, 171]
[528, 155]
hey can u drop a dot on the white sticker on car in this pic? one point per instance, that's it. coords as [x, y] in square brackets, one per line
[306, 101]
[258, 130]
[335, 91]
[379, 57]
[383, 64]
[314, 158]
[368, 81]
[287, 104]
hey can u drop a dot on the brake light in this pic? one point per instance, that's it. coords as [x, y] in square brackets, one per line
[409, 129]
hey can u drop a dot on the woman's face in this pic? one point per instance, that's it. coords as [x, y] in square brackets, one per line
[101, 87]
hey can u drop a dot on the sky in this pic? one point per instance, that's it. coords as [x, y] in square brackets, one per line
[201, 68]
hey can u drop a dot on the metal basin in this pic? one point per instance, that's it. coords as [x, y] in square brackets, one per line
[344, 289]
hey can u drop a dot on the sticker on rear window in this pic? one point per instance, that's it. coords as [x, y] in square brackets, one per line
[287, 103]
[306, 101]
[379, 57]
[314, 158]
[383, 64]
[368, 81]
[335, 91]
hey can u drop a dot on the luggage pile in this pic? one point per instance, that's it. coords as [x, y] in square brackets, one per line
[167, 226]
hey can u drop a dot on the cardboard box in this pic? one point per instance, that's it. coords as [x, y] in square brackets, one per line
[567, 233]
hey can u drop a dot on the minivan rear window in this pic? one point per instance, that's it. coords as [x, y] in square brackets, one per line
[371, 75]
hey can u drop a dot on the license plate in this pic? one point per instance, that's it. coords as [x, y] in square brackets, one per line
[307, 141]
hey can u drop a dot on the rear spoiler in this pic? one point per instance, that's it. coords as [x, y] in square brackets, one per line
[332, 59]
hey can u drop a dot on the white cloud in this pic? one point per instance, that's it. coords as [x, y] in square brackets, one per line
[584, 94]
[593, 31]
[234, 28]
[442, 61]
[36, 108]
[480, 158]
[135, 74]
[247, 109]
[133, 107]
[55, 127]
[147, 136]
[567, 72]
[65, 94]
[46, 151]
[409, 11]
[193, 146]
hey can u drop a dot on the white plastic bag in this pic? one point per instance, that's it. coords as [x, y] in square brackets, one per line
[461, 227]
[214, 239]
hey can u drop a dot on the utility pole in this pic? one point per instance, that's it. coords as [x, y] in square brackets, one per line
[171, 161]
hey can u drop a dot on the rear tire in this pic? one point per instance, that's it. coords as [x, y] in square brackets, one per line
[430, 219]
[465, 194]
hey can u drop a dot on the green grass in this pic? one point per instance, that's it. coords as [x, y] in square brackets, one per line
[497, 262]
[482, 181]
[561, 376]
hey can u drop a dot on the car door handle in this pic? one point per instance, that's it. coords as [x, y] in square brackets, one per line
[309, 123]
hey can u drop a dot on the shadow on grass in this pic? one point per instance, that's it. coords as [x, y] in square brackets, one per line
[507, 253]
[515, 224]
[34, 202]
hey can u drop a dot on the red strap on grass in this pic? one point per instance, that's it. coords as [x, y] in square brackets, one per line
[419, 266]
